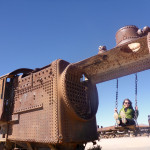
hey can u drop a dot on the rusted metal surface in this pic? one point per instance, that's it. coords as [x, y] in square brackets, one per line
[52, 105]
[126, 34]
[112, 131]
[35, 103]
[2, 92]
[79, 106]
[57, 104]
[117, 62]
[21, 70]
[80, 97]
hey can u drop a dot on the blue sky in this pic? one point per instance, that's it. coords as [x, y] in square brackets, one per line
[33, 33]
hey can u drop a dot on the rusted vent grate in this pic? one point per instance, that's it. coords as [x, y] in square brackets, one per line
[77, 93]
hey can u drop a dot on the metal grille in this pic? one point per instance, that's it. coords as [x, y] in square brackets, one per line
[78, 95]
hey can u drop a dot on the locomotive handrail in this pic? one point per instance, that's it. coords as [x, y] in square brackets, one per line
[21, 70]
[17, 71]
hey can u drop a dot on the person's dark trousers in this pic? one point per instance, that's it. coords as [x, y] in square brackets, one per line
[129, 122]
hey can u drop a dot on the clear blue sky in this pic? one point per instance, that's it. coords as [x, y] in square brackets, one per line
[33, 33]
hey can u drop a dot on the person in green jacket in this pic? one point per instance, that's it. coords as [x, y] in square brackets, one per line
[127, 114]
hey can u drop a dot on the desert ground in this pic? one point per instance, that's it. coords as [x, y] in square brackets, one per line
[124, 143]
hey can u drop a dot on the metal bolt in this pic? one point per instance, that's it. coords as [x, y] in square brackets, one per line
[102, 49]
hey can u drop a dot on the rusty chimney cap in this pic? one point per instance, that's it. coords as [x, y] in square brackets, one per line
[126, 34]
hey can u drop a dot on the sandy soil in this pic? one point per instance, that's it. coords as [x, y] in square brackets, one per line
[125, 143]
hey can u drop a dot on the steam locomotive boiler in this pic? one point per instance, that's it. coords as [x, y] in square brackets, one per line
[54, 107]
[48, 105]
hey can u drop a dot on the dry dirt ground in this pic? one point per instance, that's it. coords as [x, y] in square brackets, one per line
[124, 143]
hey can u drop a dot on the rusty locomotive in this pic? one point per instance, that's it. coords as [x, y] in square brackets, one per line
[55, 107]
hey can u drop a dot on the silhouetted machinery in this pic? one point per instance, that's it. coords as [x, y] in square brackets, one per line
[54, 107]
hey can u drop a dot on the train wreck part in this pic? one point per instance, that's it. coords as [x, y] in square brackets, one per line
[55, 107]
